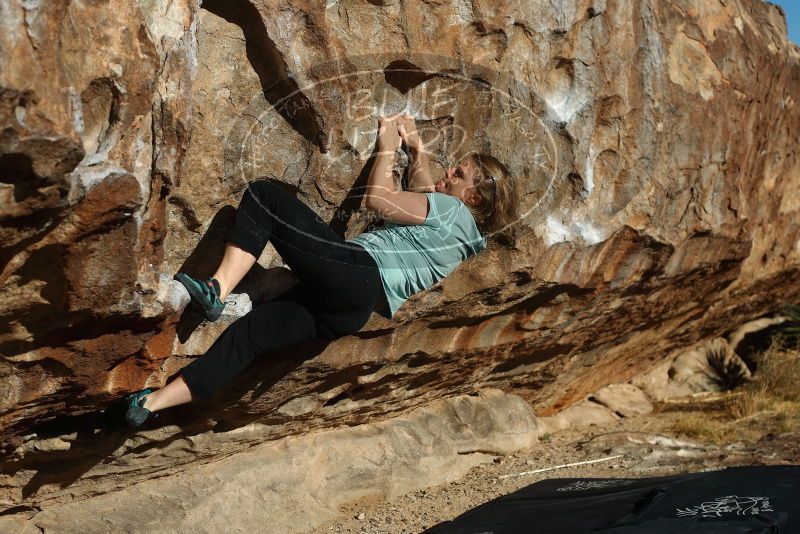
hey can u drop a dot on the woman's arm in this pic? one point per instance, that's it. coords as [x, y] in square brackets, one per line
[402, 207]
[419, 173]
[420, 179]
[380, 184]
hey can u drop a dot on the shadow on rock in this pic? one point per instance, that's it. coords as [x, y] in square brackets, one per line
[97, 435]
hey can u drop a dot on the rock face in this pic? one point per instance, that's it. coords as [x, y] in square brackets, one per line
[291, 486]
[656, 146]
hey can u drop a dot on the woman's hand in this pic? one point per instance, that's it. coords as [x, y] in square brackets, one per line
[408, 132]
[388, 136]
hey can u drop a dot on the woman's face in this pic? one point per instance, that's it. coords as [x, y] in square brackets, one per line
[460, 181]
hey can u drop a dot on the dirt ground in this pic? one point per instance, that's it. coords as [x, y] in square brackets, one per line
[645, 446]
[749, 422]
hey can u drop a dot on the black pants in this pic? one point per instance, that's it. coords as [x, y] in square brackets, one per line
[338, 288]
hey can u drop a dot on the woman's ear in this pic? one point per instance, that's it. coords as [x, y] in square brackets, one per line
[473, 198]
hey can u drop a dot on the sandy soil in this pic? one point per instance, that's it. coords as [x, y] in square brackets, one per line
[647, 446]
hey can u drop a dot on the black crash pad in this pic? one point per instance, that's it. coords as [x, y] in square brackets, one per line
[764, 499]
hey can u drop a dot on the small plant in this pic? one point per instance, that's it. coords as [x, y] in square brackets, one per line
[546, 437]
[730, 372]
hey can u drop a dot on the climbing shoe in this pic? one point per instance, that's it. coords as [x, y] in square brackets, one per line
[137, 414]
[205, 295]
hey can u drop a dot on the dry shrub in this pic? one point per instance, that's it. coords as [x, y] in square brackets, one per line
[768, 404]
[700, 426]
[775, 391]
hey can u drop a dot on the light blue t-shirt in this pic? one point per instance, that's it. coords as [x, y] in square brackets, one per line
[413, 257]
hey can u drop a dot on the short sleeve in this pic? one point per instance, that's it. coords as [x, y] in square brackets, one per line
[432, 219]
[442, 209]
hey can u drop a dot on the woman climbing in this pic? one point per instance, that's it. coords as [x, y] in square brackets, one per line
[432, 227]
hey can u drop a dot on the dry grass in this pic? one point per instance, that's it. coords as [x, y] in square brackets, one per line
[701, 427]
[769, 404]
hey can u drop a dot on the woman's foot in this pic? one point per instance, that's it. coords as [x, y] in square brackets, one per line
[137, 414]
[205, 295]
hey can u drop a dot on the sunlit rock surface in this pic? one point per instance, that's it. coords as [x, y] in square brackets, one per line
[656, 145]
[293, 485]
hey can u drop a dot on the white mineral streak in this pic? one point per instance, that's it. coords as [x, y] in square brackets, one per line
[557, 231]
[589, 171]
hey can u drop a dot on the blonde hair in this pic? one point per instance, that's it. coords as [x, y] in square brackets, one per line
[499, 208]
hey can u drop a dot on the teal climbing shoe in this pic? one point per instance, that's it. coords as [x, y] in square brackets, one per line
[137, 414]
[205, 295]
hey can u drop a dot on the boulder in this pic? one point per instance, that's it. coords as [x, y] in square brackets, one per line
[624, 399]
[656, 149]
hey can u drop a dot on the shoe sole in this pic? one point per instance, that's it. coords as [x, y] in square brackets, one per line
[196, 297]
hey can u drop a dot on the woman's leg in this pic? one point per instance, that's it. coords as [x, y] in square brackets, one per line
[255, 223]
[287, 306]
[245, 240]
[342, 275]
[173, 394]
[269, 326]
[324, 262]
[234, 265]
